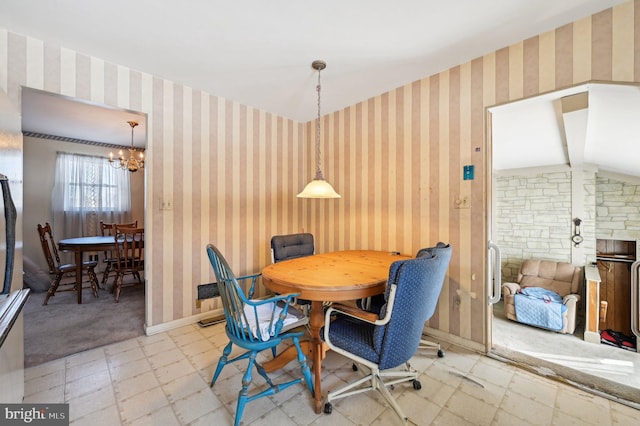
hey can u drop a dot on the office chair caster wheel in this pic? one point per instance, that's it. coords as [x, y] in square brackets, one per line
[354, 367]
[417, 385]
[328, 408]
[440, 353]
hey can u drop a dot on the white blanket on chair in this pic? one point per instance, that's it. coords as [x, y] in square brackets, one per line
[263, 324]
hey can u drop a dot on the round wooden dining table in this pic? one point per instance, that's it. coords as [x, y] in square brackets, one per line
[328, 277]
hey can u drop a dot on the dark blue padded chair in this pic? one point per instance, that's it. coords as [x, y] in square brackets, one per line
[254, 325]
[292, 246]
[285, 247]
[381, 342]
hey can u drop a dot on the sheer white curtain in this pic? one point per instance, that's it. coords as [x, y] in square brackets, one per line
[87, 190]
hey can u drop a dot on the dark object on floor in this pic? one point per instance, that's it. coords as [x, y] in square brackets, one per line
[617, 339]
[211, 321]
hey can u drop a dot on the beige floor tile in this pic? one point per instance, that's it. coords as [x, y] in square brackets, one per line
[142, 404]
[196, 405]
[534, 388]
[197, 347]
[184, 386]
[418, 409]
[108, 416]
[53, 395]
[84, 357]
[171, 372]
[45, 369]
[187, 338]
[162, 417]
[491, 371]
[126, 356]
[471, 409]
[219, 416]
[87, 385]
[274, 417]
[360, 409]
[132, 386]
[91, 402]
[166, 357]
[447, 418]
[127, 370]
[527, 409]
[581, 405]
[75, 372]
[46, 382]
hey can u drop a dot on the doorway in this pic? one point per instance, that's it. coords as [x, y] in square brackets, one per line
[52, 123]
[548, 159]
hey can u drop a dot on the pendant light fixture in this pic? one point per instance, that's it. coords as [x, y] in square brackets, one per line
[318, 187]
[132, 163]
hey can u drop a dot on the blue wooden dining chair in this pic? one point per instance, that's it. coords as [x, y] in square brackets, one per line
[386, 340]
[254, 325]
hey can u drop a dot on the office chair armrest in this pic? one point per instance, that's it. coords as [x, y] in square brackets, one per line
[510, 288]
[355, 312]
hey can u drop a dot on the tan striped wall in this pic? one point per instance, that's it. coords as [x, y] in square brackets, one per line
[397, 159]
[232, 172]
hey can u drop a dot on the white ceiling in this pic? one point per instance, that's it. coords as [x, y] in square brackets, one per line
[534, 133]
[259, 53]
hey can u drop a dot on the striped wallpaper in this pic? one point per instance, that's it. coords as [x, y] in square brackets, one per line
[232, 172]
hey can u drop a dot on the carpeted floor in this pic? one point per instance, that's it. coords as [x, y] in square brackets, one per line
[63, 327]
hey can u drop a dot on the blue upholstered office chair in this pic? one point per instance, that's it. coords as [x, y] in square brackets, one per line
[254, 325]
[444, 251]
[381, 342]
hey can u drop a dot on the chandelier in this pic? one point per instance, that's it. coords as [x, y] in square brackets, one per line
[318, 187]
[132, 163]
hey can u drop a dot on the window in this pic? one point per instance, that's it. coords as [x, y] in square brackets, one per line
[86, 190]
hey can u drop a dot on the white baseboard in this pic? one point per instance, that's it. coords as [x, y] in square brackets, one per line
[170, 325]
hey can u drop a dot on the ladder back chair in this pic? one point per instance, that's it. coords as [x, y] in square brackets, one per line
[108, 230]
[129, 248]
[58, 269]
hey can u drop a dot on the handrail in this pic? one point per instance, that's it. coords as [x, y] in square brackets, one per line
[635, 299]
[492, 267]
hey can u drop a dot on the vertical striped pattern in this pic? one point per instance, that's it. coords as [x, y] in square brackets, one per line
[410, 146]
[232, 172]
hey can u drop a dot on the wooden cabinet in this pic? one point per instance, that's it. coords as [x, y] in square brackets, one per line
[614, 264]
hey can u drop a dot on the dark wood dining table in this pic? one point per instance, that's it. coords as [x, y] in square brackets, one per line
[328, 277]
[83, 244]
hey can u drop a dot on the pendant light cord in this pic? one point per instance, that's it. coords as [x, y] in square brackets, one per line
[318, 158]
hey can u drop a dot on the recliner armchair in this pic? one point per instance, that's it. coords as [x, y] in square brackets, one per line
[559, 277]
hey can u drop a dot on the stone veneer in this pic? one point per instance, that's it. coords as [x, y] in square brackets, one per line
[617, 209]
[534, 218]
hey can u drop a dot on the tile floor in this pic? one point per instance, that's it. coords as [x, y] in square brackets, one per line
[163, 380]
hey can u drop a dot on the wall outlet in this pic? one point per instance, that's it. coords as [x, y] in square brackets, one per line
[166, 205]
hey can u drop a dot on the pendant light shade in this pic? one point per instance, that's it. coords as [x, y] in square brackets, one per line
[318, 187]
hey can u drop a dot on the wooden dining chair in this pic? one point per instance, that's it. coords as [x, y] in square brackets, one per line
[129, 248]
[56, 267]
[108, 229]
